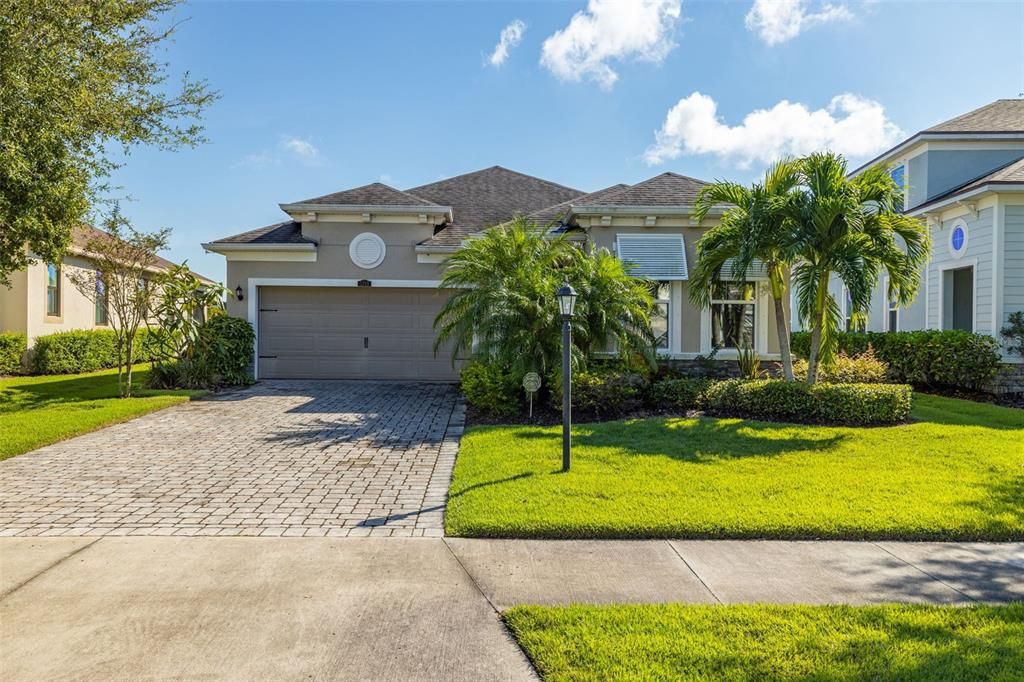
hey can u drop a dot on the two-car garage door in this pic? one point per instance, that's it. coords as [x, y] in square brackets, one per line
[351, 333]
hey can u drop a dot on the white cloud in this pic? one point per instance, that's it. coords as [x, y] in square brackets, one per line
[511, 36]
[777, 21]
[255, 161]
[611, 29]
[850, 125]
[301, 148]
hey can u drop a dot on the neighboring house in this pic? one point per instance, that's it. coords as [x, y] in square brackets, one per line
[348, 287]
[965, 178]
[42, 299]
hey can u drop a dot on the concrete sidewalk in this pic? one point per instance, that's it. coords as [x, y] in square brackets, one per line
[398, 609]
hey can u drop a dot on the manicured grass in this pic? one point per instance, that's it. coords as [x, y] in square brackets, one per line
[37, 411]
[760, 642]
[955, 473]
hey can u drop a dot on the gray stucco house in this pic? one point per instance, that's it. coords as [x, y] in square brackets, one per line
[965, 178]
[348, 286]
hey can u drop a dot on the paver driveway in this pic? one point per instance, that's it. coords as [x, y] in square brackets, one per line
[281, 458]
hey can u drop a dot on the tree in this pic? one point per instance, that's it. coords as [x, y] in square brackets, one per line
[851, 228]
[74, 78]
[754, 227]
[179, 311]
[504, 311]
[124, 278]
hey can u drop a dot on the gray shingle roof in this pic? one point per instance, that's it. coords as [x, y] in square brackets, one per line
[488, 197]
[667, 189]
[81, 235]
[288, 232]
[1001, 116]
[374, 194]
[550, 214]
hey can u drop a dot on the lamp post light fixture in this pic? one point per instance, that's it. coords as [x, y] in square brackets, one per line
[567, 304]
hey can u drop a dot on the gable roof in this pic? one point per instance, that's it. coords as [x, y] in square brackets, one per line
[667, 189]
[81, 235]
[374, 194]
[1011, 173]
[1000, 119]
[1001, 116]
[550, 214]
[489, 197]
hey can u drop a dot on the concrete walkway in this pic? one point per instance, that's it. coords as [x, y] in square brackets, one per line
[417, 608]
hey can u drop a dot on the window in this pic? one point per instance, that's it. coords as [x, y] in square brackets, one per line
[102, 300]
[892, 310]
[847, 310]
[732, 315]
[899, 176]
[958, 238]
[660, 316]
[53, 289]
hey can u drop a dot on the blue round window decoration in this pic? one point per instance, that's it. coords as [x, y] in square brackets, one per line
[957, 238]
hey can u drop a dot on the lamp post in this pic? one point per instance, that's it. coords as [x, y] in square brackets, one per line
[566, 303]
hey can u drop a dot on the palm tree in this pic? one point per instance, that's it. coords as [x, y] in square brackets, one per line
[851, 228]
[755, 227]
[504, 311]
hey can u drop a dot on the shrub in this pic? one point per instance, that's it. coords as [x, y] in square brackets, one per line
[224, 349]
[85, 350]
[74, 352]
[12, 348]
[678, 394]
[491, 389]
[865, 368]
[853, 404]
[193, 374]
[1013, 332]
[602, 391]
[930, 357]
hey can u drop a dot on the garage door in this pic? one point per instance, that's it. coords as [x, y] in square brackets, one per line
[351, 333]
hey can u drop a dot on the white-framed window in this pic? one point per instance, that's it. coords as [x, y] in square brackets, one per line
[661, 327]
[847, 310]
[733, 314]
[101, 316]
[898, 174]
[958, 238]
[53, 289]
[892, 310]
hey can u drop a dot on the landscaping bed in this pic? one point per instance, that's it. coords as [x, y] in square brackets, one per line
[765, 642]
[954, 473]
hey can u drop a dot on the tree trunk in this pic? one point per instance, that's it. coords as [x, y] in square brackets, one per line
[814, 356]
[783, 329]
[129, 347]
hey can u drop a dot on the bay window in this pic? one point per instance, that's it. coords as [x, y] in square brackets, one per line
[733, 314]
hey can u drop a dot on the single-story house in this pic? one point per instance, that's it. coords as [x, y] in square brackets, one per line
[41, 298]
[965, 177]
[348, 286]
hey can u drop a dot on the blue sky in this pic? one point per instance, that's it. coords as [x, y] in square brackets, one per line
[317, 97]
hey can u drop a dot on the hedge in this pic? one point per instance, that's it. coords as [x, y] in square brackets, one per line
[682, 394]
[85, 350]
[491, 389]
[12, 348]
[602, 392]
[929, 357]
[851, 404]
[221, 356]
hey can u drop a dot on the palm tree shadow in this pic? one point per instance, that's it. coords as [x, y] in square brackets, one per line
[701, 440]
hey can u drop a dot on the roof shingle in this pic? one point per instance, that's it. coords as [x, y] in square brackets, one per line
[374, 194]
[1001, 116]
[288, 232]
[667, 189]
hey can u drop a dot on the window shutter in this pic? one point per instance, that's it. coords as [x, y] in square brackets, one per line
[657, 257]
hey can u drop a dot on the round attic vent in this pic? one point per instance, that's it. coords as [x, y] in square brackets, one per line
[367, 250]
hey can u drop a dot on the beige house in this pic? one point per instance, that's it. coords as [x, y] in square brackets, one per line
[348, 286]
[43, 300]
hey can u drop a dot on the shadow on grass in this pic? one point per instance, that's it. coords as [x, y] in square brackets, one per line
[956, 412]
[40, 392]
[697, 440]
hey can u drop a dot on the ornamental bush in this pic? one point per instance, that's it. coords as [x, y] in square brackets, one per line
[604, 392]
[679, 394]
[865, 368]
[12, 348]
[224, 347]
[952, 358]
[491, 389]
[850, 404]
[85, 350]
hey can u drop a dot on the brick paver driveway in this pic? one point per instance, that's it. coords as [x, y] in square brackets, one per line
[280, 458]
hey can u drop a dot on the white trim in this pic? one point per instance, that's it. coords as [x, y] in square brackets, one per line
[998, 230]
[217, 247]
[959, 265]
[928, 208]
[353, 247]
[271, 256]
[909, 143]
[378, 209]
[431, 257]
[254, 283]
[675, 309]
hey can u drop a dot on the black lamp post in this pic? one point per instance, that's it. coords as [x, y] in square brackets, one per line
[566, 303]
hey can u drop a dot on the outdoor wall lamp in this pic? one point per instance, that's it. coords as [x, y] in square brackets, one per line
[238, 293]
[566, 296]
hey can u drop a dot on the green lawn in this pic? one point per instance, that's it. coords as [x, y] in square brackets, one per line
[760, 642]
[957, 472]
[37, 411]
